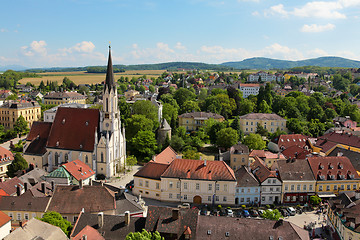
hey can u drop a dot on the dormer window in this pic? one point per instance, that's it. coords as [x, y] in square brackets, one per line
[340, 166]
[331, 166]
[63, 121]
[351, 176]
[321, 166]
[57, 143]
[322, 177]
[341, 176]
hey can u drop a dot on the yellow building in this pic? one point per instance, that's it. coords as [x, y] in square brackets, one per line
[334, 175]
[131, 93]
[11, 111]
[239, 156]
[57, 98]
[270, 121]
[192, 121]
[6, 158]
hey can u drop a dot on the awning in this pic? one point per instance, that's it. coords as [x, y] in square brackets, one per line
[326, 195]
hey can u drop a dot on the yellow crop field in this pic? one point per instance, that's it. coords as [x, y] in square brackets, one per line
[87, 78]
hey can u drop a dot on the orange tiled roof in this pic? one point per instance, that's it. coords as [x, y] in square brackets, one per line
[4, 218]
[78, 169]
[166, 156]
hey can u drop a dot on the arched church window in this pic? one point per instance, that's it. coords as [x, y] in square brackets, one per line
[56, 159]
[66, 157]
[107, 105]
[102, 157]
[86, 159]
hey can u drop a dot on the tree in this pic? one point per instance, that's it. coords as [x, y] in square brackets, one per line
[264, 107]
[191, 154]
[227, 137]
[315, 200]
[55, 218]
[137, 123]
[131, 161]
[261, 130]
[273, 215]
[254, 141]
[177, 143]
[190, 106]
[143, 145]
[19, 163]
[182, 95]
[147, 109]
[21, 126]
[144, 235]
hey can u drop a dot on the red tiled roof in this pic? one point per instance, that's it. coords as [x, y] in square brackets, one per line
[329, 140]
[9, 186]
[260, 171]
[196, 169]
[74, 128]
[288, 140]
[78, 169]
[295, 152]
[336, 166]
[90, 233]
[258, 153]
[249, 85]
[38, 136]
[270, 155]
[152, 170]
[72, 199]
[5, 155]
[3, 193]
[4, 218]
[166, 156]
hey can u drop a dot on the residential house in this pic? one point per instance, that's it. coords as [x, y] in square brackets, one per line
[267, 157]
[5, 94]
[298, 182]
[342, 215]
[269, 182]
[5, 225]
[187, 180]
[6, 158]
[296, 152]
[130, 94]
[89, 233]
[248, 89]
[172, 223]
[70, 200]
[34, 95]
[239, 156]
[12, 187]
[166, 156]
[193, 120]
[288, 140]
[72, 173]
[109, 226]
[326, 143]
[270, 121]
[23, 207]
[33, 176]
[354, 156]
[210, 227]
[12, 110]
[36, 229]
[57, 98]
[333, 175]
[344, 122]
[264, 77]
[247, 187]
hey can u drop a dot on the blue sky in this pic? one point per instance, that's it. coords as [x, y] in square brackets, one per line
[60, 33]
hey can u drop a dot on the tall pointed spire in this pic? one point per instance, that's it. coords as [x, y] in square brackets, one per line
[109, 81]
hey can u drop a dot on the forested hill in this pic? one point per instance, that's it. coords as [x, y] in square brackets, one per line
[157, 66]
[268, 63]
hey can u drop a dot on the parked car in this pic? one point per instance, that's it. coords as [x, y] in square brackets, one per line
[284, 212]
[291, 211]
[130, 185]
[229, 212]
[214, 212]
[238, 213]
[254, 213]
[261, 212]
[246, 213]
[223, 212]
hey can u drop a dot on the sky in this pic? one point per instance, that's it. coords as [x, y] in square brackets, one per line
[74, 33]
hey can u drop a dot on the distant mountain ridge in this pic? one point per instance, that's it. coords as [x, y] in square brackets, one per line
[269, 63]
[12, 67]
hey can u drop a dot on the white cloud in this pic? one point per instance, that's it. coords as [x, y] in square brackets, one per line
[84, 46]
[317, 53]
[35, 48]
[3, 30]
[315, 9]
[256, 13]
[314, 28]
[164, 47]
[180, 46]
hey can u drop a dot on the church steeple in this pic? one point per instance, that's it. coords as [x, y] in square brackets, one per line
[109, 81]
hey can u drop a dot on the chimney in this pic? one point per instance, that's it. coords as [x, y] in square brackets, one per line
[90, 182]
[357, 194]
[127, 218]
[31, 167]
[81, 184]
[52, 185]
[80, 169]
[18, 190]
[339, 154]
[100, 219]
[43, 187]
[25, 186]
[175, 213]
[205, 162]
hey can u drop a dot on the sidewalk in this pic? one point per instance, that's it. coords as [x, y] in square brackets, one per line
[6, 145]
[124, 178]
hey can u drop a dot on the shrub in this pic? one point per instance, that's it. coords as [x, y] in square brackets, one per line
[267, 206]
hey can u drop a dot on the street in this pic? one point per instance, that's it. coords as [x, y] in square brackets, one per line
[124, 179]
[6, 145]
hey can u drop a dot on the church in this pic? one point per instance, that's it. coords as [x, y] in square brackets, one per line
[93, 136]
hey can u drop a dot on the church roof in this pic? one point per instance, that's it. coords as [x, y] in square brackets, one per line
[74, 128]
[109, 81]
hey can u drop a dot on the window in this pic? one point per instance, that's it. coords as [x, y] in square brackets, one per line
[225, 187]
[11, 216]
[286, 187]
[248, 200]
[185, 197]
[242, 199]
[140, 182]
[293, 198]
[209, 198]
[278, 189]
[298, 187]
[270, 198]
[56, 159]
[335, 187]
[354, 187]
[86, 159]
[177, 184]
[271, 189]
[242, 190]
[304, 187]
[170, 195]
[256, 199]
[234, 159]
[33, 215]
[26, 216]
[248, 190]
[263, 199]
[75, 219]
[243, 160]
[327, 188]
[342, 187]
[217, 198]
[18, 216]
[102, 157]
[66, 156]
[178, 196]
[269, 180]
[320, 188]
[292, 187]
[310, 187]
[186, 185]
[224, 199]
[65, 218]
[170, 184]
[217, 187]
[157, 185]
[210, 187]
[348, 187]
[146, 183]
[157, 195]
[274, 180]
[256, 190]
